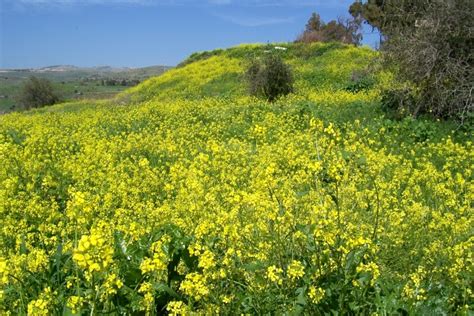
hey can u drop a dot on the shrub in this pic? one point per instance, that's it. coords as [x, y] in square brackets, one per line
[269, 77]
[361, 80]
[36, 93]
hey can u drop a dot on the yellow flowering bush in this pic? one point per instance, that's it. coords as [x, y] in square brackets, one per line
[185, 196]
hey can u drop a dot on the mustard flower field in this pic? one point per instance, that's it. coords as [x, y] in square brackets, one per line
[184, 196]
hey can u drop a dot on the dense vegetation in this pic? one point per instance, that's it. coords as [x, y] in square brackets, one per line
[185, 195]
[430, 43]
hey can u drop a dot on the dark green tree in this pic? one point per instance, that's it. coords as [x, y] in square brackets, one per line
[269, 77]
[314, 23]
[36, 93]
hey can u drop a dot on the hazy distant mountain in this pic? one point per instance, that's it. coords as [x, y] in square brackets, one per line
[89, 70]
[73, 73]
[56, 68]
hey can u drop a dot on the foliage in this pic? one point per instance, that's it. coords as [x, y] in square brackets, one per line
[269, 77]
[430, 43]
[36, 93]
[199, 56]
[315, 204]
[373, 12]
[334, 31]
[361, 80]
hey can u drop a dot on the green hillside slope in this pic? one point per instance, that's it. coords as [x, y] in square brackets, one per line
[220, 72]
[186, 196]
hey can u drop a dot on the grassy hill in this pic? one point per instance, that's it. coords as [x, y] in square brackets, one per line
[185, 195]
[219, 73]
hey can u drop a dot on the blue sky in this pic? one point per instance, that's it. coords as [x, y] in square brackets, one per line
[135, 33]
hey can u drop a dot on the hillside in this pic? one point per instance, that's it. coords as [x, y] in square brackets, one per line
[184, 195]
[219, 72]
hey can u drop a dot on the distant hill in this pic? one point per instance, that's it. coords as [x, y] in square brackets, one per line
[72, 82]
[70, 71]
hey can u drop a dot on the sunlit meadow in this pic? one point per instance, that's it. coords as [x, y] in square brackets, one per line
[185, 196]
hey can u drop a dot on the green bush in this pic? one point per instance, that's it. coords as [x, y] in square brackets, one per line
[269, 77]
[36, 93]
[361, 80]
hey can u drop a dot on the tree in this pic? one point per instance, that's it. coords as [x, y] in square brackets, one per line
[269, 77]
[431, 44]
[314, 23]
[37, 92]
[345, 31]
[369, 12]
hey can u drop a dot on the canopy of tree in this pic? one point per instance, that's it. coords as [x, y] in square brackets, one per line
[37, 92]
[431, 44]
[334, 31]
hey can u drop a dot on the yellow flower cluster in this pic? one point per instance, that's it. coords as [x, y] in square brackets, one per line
[148, 299]
[3, 271]
[195, 286]
[111, 285]
[157, 264]
[295, 270]
[207, 260]
[177, 308]
[372, 268]
[37, 260]
[42, 305]
[274, 274]
[94, 252]
[413, 289]
[315, 294]
[38, 307]
[75, 303]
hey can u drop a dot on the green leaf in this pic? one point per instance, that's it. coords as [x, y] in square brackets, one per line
[161, 287]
